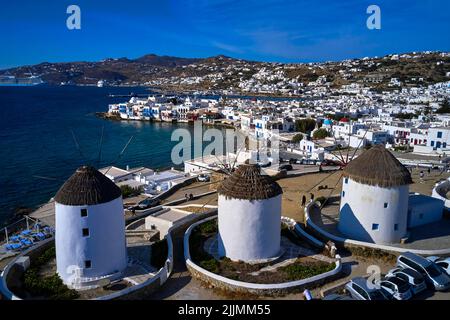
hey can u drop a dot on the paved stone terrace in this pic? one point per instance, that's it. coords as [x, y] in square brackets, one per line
[431, 236]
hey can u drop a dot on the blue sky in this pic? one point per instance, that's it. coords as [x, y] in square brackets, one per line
[284, 31]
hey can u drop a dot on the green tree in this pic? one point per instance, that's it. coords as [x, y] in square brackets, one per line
[128, 191]
[320, 134]
[305, 125]
[297, 138]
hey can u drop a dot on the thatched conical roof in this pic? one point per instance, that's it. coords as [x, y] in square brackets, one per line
[87, 186]
[247, 183]
[378, 167]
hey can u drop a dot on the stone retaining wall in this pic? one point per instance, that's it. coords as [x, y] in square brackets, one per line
[221, 282]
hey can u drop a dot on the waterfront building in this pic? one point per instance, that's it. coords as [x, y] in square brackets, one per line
[90, 230]
[249, 215]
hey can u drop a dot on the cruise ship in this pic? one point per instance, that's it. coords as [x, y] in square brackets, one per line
[13, 81]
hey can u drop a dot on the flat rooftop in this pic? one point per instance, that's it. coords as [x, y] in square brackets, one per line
[173, 215]
[113, 171]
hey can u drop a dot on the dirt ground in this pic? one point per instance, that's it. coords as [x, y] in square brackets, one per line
[295, 188]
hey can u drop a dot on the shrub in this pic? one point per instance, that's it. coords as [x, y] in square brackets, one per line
[298, 271]
[320, 134]
[128, 191]
[305, 125]
[208, 227]
[297, 138]
[372, 253]
[211, 265]
[51, 286]
[196, 241]
[45, 257]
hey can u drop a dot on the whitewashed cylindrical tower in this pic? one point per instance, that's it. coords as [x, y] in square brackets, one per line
[249, 215]
[90, 229]
[374, 198]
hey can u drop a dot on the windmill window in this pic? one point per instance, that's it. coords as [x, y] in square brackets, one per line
[375, 226]
[343, 194]
[87, 264]
[396, 227]
[346, 180]
[85, 232]
[385, 204]
[84, 212]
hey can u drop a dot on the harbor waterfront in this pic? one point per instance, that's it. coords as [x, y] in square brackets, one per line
[38, 151]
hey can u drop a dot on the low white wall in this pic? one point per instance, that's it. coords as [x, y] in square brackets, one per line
[8, 294]
[161, 276]
[338, 239]
[301, 232]
[248, 285]
[440, 191]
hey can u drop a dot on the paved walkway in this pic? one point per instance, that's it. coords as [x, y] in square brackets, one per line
[45, 213]
[431, 236]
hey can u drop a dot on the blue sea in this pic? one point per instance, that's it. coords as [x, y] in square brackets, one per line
[36, 125]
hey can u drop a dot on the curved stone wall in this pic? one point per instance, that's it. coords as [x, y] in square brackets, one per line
[255, 288]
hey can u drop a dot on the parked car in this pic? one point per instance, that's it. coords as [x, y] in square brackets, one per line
[433, 275]
[310, 162]
[327, 162]
[287, 167]
[396, 288]
[145, 204]
[203, 177]
[414, 278]
[335, 296]
[444, 263]
[359, 289]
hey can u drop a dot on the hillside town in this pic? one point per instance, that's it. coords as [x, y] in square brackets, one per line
[359, 178]
[407, 115]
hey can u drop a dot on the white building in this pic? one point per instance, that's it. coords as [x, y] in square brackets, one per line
[90, 230]
[374, 199]
[249, 216]
[437, 141]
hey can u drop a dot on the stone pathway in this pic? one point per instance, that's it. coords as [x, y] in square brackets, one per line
[139, 269]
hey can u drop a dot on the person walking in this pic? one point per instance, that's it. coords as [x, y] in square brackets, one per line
[312, 196]
[303, 200]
